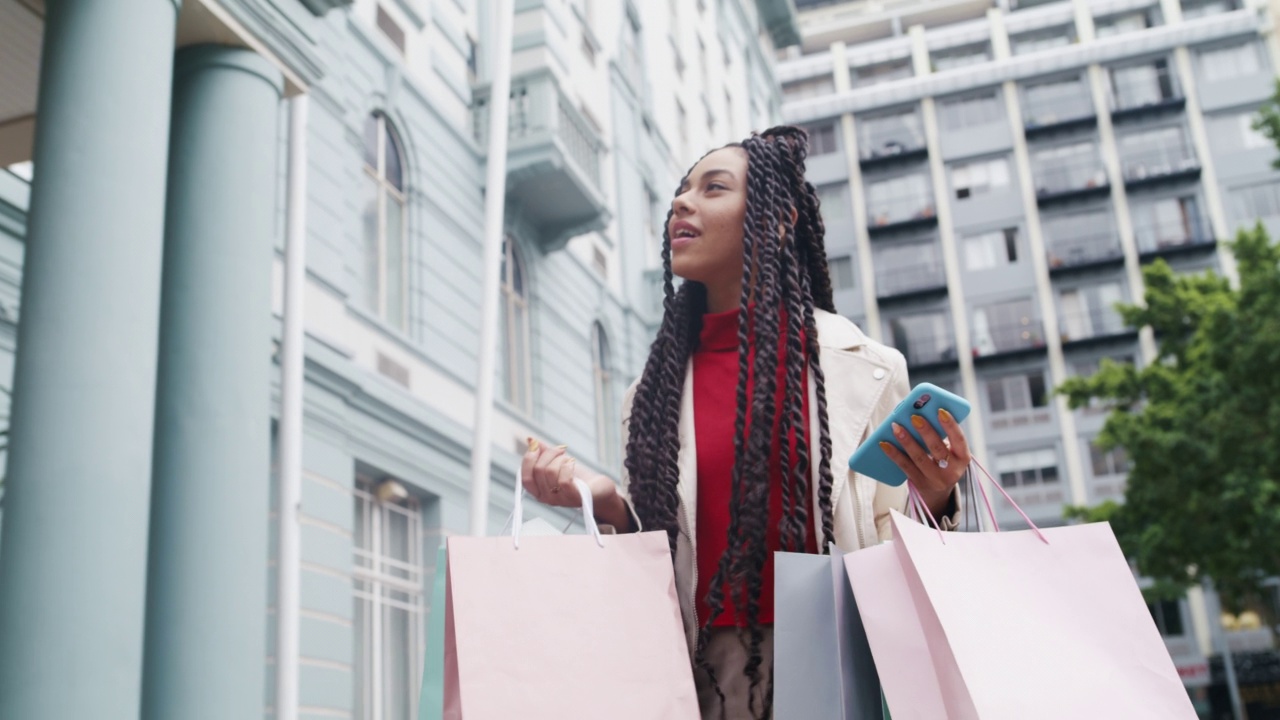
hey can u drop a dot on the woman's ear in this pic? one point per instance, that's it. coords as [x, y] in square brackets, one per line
[782, 228]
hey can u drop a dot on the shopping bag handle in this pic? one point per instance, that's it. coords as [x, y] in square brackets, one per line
[921, 509]
[588, 511]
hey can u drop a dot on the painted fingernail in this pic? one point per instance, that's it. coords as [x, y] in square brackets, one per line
[945, 416]
[533, 445]
[886, 447]
[562, 447]
[897, 430]
[917, 421]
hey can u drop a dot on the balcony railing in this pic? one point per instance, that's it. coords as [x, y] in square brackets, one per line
[923, 345]
[900, 211]
[1160, 163]
[1083, 250]
[887, 138]
[1008, 337]
[1070, 176]
[554, 158]
[1140, 88]
[1043, 111]
[913, 280]
[1080, 326]
[1172, 237]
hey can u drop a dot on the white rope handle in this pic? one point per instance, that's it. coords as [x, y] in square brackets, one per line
[588, 511]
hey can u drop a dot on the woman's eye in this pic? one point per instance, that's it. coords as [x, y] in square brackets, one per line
[716, 186]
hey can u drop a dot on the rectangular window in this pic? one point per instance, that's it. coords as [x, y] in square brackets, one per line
[632, 68]
[1108, 462]
[1030, 42]
[1168, 617]
[1194, 9]
[908, 267]
[1067, 168]
[1235, 132]
[1156, 153]
[1055, 101]
[1255, 202]
[390, 608]
[1090, 311]
[812, 87]
[1141, 85]
[890, 134]
[682, 122]
[1080, 238]
[677, 56]
[841, 269]
[899, 199]
[1120, 24]
[1028, 469]
[822, 139]
[971, 111]
[391, 29]
[1168, 222]
[994, 249]
[728, 112]
[1017, 400]
[959, 57]
[869, 75]
[1006, 327]
[924, 338]
[1227, 63]
[652, 228]
[979, 177]
[834, 202]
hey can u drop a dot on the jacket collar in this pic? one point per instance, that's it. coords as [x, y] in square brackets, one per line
[836, 331]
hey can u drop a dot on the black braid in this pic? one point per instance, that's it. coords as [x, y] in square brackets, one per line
[784, 273]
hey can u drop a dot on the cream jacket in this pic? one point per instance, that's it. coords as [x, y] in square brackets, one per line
[864, 381]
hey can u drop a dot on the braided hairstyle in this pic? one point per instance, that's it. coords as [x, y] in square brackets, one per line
[785, 277]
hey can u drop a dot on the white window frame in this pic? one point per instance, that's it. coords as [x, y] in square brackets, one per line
[1224, 62]
[1020, 402]
[979, 177]
[387, 191]
[375, 577]
[515, 317]
[994, 246]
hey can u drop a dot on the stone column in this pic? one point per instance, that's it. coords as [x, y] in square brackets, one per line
[207, 583]
[74, 548]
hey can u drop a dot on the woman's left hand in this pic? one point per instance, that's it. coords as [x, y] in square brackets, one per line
[934, 472]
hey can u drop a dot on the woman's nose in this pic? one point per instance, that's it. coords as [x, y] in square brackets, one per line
[681, 205]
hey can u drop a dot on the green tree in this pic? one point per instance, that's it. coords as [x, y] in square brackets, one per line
[1267, 121]
[1201, 426]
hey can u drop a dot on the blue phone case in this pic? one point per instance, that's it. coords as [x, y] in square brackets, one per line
[871, 461]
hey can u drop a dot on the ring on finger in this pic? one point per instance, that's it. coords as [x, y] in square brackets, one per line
[942, 462]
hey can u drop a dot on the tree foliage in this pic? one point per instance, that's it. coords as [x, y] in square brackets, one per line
[1201, 426]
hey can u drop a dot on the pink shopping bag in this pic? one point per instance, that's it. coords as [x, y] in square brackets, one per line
[563, 627]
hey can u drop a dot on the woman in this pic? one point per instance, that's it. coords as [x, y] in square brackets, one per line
[737, 434]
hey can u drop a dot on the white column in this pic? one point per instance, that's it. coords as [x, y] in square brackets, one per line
[862, 237]
[495, 200]
[288, 564]
[1120, 203]
[1218, 223]
[974, 429]
[1044, 291]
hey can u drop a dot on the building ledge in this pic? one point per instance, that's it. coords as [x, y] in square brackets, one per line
[1156, 108]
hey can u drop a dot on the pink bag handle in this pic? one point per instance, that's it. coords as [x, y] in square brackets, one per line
[588, 511]
[1015, 505]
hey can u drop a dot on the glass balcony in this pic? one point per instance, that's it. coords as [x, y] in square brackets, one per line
[1141, 88]
[1056, 105]
[925, 339]
[910, 280]
[1069, 171]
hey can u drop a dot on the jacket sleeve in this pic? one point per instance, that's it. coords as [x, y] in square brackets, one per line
[895, 498]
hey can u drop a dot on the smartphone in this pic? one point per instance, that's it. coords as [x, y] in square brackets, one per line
[924, 400]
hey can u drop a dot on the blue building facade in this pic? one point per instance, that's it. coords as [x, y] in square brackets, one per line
[142, 223]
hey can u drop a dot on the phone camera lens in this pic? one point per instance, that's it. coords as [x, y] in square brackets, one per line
[924, 400]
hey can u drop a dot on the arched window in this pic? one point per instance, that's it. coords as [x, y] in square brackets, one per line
[606, 417]
[384, 267]
[517, 381]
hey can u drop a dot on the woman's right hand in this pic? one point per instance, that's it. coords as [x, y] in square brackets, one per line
[548, 474]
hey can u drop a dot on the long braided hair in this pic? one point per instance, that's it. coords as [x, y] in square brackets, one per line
[784, 268]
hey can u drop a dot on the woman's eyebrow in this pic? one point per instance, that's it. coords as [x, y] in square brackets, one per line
[684, 186]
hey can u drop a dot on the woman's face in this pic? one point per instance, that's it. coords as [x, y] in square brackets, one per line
[707, 219]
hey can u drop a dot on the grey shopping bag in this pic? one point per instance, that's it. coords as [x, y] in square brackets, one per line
[822, 663]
